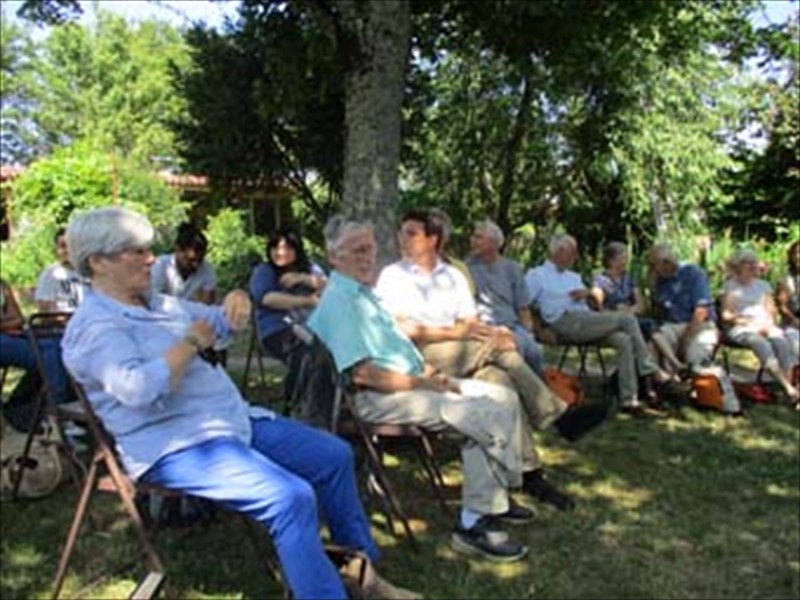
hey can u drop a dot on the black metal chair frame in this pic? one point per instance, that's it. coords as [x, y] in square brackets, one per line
[254, 349]
[375, 438]
[726, 344]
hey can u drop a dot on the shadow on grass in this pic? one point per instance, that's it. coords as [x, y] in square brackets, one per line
[696, 505]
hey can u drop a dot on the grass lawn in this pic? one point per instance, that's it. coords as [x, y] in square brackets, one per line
[694, 505]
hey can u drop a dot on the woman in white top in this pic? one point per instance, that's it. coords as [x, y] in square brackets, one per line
[748, 318]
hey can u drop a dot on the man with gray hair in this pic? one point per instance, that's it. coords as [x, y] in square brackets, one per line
[502, 296]
[396, 386]
[688, 335]
[431, 302]
[561, 297]
[181, 423]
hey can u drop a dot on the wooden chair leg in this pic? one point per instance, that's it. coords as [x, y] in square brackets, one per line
[246, 373]
[149, 587]
[126, 495]
[83, 504]
[583, 352]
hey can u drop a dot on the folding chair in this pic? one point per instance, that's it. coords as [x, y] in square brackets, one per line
[115, 480]
[548, 336]
[254, 350]
[726, 344]
[39, 327]
[376, 438]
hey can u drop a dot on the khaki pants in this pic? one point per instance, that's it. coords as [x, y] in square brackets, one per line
[472, 358]
[619, 330]
[487, 415]
[699, 349]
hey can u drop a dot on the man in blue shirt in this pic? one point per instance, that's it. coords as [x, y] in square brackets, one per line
[688, 334]
[396, 386]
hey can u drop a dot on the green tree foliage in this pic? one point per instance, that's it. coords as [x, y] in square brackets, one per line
[231, 250]
[477, 139]
[16, 51]
[265, 106]
[110, 84]
[76, 178]
[598, 117]
[50, 12]
[765, 183]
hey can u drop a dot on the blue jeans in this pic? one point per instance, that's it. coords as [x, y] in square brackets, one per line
[529, 348]
[278, 480]
[16, 351]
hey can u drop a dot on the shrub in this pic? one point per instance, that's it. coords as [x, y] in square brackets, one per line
[78, 178]
[232, 250]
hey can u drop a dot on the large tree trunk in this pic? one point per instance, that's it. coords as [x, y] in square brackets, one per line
[512, 151]
[375, 39]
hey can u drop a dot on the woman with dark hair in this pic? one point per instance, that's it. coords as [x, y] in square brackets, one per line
[285, 289]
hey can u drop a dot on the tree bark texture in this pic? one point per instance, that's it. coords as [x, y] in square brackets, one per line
[375, 38]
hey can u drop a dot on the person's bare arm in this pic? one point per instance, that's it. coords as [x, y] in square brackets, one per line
[699, 316]
[638, 307]
[12, 319]
[525, 317]
[284, 301]
[597, 294]
[464, 329]
[369, 375]
[728, 313]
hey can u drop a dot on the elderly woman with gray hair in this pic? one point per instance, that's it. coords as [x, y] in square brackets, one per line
[179, 421]
[748, 318]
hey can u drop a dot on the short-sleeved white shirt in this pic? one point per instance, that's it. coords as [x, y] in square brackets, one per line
[166, 279]
[61, 285]
[435, 299]
[748, 300]
[550, 288]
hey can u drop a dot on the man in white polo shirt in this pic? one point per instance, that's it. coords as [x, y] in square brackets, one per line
[60, 288]
[185, 273]
[560, 296]
[433, 306]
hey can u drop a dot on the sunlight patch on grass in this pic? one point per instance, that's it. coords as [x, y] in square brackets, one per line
[479, 566]
[611, 534]
[746, 440]
[501, 571]
[390, 460]
[618, 493]
[781, 491]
